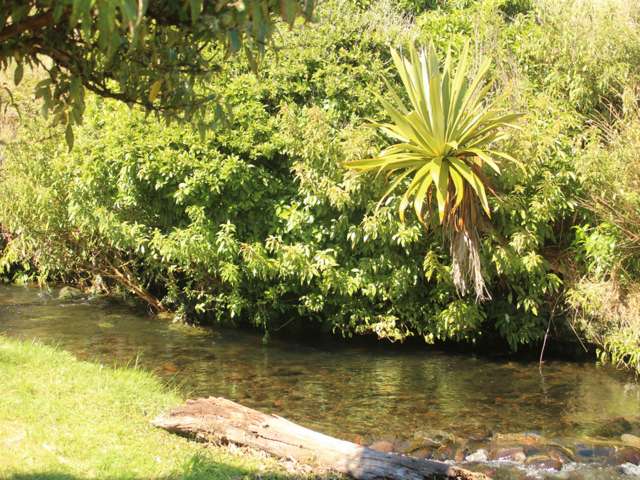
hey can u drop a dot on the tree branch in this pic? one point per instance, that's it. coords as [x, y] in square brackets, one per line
[35, 22]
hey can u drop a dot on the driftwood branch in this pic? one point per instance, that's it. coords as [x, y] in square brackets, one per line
[224, 421]
[125, 278]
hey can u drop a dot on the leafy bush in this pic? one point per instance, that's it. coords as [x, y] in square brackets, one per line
[580, 51]
[602, 294]
[260, 222]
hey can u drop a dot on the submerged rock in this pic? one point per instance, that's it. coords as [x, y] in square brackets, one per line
[533, 450]
[527, 438]
[402, 445]
[514, 454]
[422, 453]
[561, 452]
[502, 472]
[382, 446]
[614, 428]
[446, 452]
[460, 454]
[630, 469]
[478, 456]
[590, 452]
[168, 316]
[630, 440]
[626, 455]
[434, 438]
[544, 462]
[69, 293]
[169, 367]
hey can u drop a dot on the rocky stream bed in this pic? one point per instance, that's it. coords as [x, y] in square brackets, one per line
[529, 455]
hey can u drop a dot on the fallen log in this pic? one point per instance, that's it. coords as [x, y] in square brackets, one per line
[223, 421]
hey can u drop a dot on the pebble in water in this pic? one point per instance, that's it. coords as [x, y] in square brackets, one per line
[630, 469]
[626, 455]
[614, 428]
[382, 446]
[630, 440]
[513, 454]
[544, 462]
[478, 456]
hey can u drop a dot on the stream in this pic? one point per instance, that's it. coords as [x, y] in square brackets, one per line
[568, 420]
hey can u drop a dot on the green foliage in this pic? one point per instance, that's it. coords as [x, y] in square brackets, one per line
[416, 7]
[160, 55]
[596, 248]
[260, 223]
[622, 349]
[580, 51]
[603, 295]
[512, 8]
[446, 139]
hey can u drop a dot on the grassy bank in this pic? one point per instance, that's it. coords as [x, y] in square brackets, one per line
[64, 419]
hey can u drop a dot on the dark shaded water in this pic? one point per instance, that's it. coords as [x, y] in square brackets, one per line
[349, 392]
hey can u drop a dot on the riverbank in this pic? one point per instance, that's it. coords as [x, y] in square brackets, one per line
[65, 419]
[259, 224]
[510, 419]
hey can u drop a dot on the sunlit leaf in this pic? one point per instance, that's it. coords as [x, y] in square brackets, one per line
[155, 90]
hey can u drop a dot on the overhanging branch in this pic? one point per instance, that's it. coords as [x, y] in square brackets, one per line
[35, 22]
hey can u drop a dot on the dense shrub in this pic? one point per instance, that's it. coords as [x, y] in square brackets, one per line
[603, 291]
[259, 222]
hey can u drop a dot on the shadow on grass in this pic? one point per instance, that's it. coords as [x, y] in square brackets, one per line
[197, 468]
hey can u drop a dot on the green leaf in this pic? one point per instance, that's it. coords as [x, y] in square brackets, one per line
[421, 175]
[289, 10]
[506, 156]
[58, 10]
[421, 196]
[130, 10]
[458, 184]
[309, 6]
[68, 135]
[485, 157]
[18, 74]
[442, 188]
[395, 184]
[80, 11]
[196, 10]
[253, 63]
[154, 91]
[235, 42]
[473, 180]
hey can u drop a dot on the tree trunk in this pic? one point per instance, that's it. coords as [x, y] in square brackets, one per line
[221, 420]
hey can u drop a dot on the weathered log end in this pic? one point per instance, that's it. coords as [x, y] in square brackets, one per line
[224, 421]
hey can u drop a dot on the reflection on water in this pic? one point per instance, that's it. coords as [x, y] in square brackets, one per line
[349, 392]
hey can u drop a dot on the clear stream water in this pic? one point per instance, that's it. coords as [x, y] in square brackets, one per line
[394, 396]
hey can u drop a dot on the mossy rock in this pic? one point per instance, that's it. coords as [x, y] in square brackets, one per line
[70, 293]
[614, 428]
[630, 440]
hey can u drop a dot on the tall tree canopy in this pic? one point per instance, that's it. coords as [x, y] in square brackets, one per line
[155, 54]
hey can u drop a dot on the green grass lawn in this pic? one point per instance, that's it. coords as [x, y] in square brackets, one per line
[64, 419]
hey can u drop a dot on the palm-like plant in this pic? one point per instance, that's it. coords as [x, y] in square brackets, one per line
[444, 141]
